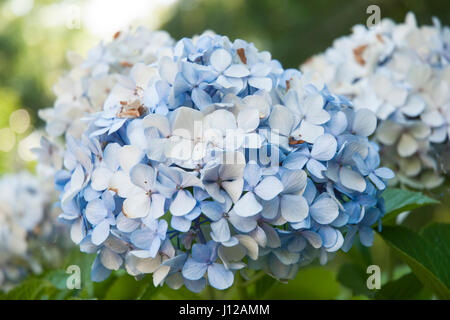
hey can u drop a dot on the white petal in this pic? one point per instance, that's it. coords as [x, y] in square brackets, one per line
[407, 145]
[364, 123]
[352, 179]
[136, 206]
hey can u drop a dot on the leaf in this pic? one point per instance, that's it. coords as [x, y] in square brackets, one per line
[399, 200]
[406, 288]
[438, 236]
[32, 289]
[149, 291]
[427, 254]
[354, 277]
[264, 285]
[125, 287]
[57, 278]
[84, 262]
[310, 283]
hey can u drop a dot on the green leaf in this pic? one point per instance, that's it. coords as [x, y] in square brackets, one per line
[427, 254]
[149, 291]
[264, 285]
[84, 261]
[310, 283]
[32, 289]
[57, 278]
[125, 287]
[399, 200]
[354, 277]
[406, 288]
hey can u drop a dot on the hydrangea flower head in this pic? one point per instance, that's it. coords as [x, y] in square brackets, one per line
[21, 212]
[85, 87]
[214, 160]
[402, 73]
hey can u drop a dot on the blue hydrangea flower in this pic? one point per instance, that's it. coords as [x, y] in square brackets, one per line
[214, 160]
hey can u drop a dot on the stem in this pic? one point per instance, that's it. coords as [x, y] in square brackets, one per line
[211, 293]
[260, 274]
[242, 287]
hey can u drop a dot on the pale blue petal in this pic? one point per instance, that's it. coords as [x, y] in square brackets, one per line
[324, 209]
[195, 286]
[269, 188]
[247, 206]
[95, 211]
[294, 208]
[100, 233]
[219, 277]
[143, 176]
[98, 272]
[220, 230]
[183, 203]
[237, 71]
[180, 223]
[194, 270]
[316, 168]
[324, 147]
[220, 60]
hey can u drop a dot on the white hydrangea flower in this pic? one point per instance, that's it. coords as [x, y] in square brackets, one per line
[22, 207]
[402, 73]
[83, 90]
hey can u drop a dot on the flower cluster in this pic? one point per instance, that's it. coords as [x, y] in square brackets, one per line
[84, 89]
[214, 160]
[21, 210]
[402, 73]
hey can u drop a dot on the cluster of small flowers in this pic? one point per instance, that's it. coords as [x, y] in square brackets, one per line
[402, 73]
[84, 89]
[21, 210]
[214, 160]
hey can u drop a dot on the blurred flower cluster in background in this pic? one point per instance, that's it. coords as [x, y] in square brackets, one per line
[42, 40]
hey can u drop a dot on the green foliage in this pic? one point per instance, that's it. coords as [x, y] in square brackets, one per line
[310, 283]
[427, 254]
[30, 289]
[406, 288]
[399, 200]
[354, 277]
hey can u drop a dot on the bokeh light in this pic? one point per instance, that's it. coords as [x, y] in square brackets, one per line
[7, 139]
[19, 121]
[21, 7]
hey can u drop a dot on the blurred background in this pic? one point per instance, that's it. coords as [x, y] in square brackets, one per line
[35, 36]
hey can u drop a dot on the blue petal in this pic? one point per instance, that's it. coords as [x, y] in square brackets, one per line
[183, 203]
[269, 188]
[324, 209]
[294, 208]
[247, 206]
[324, 147]
[220, 230]
[195, 286]
[98, 272]
[219, 277]
[100, 233]
[194, 270]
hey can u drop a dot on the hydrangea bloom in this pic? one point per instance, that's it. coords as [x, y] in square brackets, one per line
[402, 73]
[21, 211]
[84, 89]
[214, 160]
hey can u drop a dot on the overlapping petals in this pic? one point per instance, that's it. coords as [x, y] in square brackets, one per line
[214, 160]
[401, 72]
